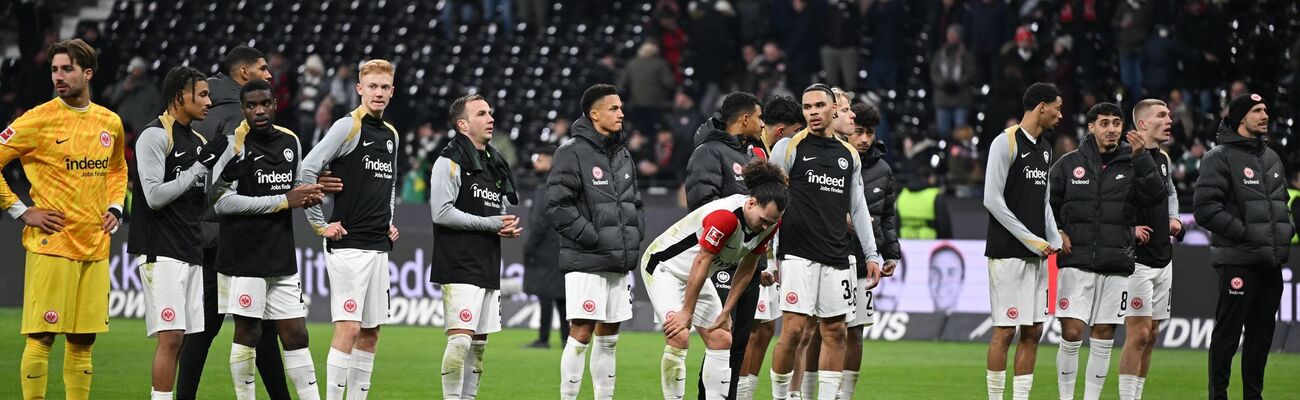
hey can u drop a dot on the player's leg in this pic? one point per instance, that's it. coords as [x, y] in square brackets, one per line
[35, 366]
[167, 303]
[374, 313]
[758, 342]
[717, 361]
[89, 315]
[1100, 343]
[1139, 324]
[1005, 292]
[617, 307]
[362, 363]
[461, 303]
[285, 306]
[852, 362]
[810, 350]
[1109, 308]
[573, 361]
[1161, 307]
[1075, 291]
[45, 292]
[546, 315]
[743, 325]
[490, 322]
[194, 350]
[77, 367]
[1260, 324]
[1067, 355]
[834, 334]
[667, 294]
[798, 303]
[243, 355]
[348, 278]
[340, 357]
[793, 326]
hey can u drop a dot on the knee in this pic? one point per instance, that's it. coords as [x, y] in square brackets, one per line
[581, 330]
[367, 338]
[348, 330]
[1002, 336]
[834, 332]
[1103, 332]
[294, 339]
[84, 339]
[44, 337]
[1072, 334]
[681, 340]
[1030, 335]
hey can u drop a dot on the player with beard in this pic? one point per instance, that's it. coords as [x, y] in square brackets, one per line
[254, 194]
[1152, 280]
[813, 247]
[1021, 234]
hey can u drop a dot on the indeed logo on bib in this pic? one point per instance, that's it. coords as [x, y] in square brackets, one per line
[1037, 175]
[491, 198]
[383, 170]
[277, 180]
[827, 182]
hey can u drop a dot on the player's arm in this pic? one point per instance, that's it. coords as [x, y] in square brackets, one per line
[392, 191]
[779, 156]
[151, 165]
[334, 145]
[1150, 189]
[890, 250]
[703, 178]
[563, 189]
[17, 140]
[1175, 219]
[444, 187]
[227, 201]
[995, 181]
[860, 214]
[116, 179]
[1056, 186]
[1211, 197]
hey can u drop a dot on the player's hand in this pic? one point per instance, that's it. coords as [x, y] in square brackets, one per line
[679, 323]
[510, 227]
[766, 279]
[1175, 226]
[1143, 234]
[237, 167]
[110, 222]
[305, 195]
[1137, 142]
[334, 231]
[211, 151]
[330, 183]
[1066, 247]
[1049, 250]
[49, 221]
[723, 322]
[888, 269]
[392, 233]
[873, 274]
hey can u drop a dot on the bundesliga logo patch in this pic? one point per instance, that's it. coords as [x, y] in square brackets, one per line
[7, 134]
[714, 236]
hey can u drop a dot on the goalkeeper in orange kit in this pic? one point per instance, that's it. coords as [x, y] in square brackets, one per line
[72, 150]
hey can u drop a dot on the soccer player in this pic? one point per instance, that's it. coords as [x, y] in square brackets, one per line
[73, 151]
[1152, 280]
[730, 231]
[1241, 198]
[1095, 191]
[172, 163]
[1021, 234]
[242, 64]
[254, 194]
[469, 187]
[813, 247]
[360, 149]
[724, 144]
[781, 119]
[592, 198]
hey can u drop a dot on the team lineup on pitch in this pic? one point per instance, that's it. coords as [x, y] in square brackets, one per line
[793, 220]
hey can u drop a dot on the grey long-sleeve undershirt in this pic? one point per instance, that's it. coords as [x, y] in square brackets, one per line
[995, 181]
[228, 202]
[444, 188]
[151, 165]
[859, 212]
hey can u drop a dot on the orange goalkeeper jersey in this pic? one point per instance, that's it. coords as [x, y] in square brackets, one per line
[76, 162]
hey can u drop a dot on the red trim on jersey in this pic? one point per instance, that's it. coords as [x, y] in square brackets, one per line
[717, 229]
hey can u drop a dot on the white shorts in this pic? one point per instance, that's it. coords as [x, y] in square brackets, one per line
[815, 289]
[173, 295]
[668, 293]
[864, 313]
[1095, 299]
[470, 307]
[1148, 291]
[599, 296]
[269, 298]
[358, 286]
[769, 300]
[1018, 292]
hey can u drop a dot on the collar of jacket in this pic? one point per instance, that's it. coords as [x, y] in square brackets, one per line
[1229, 137]
[714, 130]
[461, 150]
[584, 129]
[223, 89]
[873, 154]
[1089, 149]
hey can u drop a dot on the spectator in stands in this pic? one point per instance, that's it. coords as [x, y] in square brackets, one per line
[322, 120]
[490, 10]
[88, 31]
[946, 14]
[556, 132]
[533, 13]
[606, 70]
[989, 25]
[419, 146]
[952, 72]
[1201, 30]
[648, 80]
[885, 20]
[454, 11]
[767, 73]
[1059, 69]
[671, 38]
[1023, 54]
[1064, 144]
[964, 164]
[796, 25]
[136, 98]
[504, 142]
[1132, 22]
[1236, 89]
[311, 89]
[921, 156]
[1188, 168]
[1159, 58]
[542, 275]
[285, 82]
[713, 49]
[685, 118]
[343, 89]
[922, 211]
[1184, 122]
[841, 37]
[663, 160]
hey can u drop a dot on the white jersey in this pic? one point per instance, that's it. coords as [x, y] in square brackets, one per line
[717, 227]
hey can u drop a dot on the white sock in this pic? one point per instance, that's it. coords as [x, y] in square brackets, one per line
[473, 369]
[996, 382]
[1098, 367]
[753, 386]
[828, 384]
[1127, 387]
[780, 384]
[808, 386]
[672, 373]
[1137, 394]
[849, 385]
[336, 374]
[453, 366]
[302, 372]
[717, 373]
[573, 364]
[1067, 366]
[243, 368]
[603, 366]
[1020, 386]
[743, 390]
[156, 395]
[359, 369]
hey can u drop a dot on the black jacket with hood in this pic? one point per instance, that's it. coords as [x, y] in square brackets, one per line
[593, 201]
[714, 170]
[1241, 199]
[223, 117]
[881, 190]
[1096, 200]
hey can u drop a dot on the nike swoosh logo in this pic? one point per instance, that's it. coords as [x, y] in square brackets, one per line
[311, 383]
[248, 382]
[88, 372]
[37, 376]
[365, 389]
[611, 376]
[809, 158]
[477, 371]
[60, 141]
[1025, 155]
[575, 381]
[1066, 373]
[1101, 376]
[178, 154]
[446, 373]
[258, 158]
[367, 143]
[210, 157]
[341, 385]
[680, 379]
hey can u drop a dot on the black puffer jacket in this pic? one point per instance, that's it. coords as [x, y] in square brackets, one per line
[1241, 198]
[714, 170]
[1096, 203]
[223, 117]
[592, 199]
[881, 190]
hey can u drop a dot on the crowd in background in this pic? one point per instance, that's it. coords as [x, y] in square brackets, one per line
[947, 75]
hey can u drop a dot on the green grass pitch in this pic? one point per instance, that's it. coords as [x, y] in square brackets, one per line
[407, 367]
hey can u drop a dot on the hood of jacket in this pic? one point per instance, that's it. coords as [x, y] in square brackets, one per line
[584, 129]
[223, 90]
